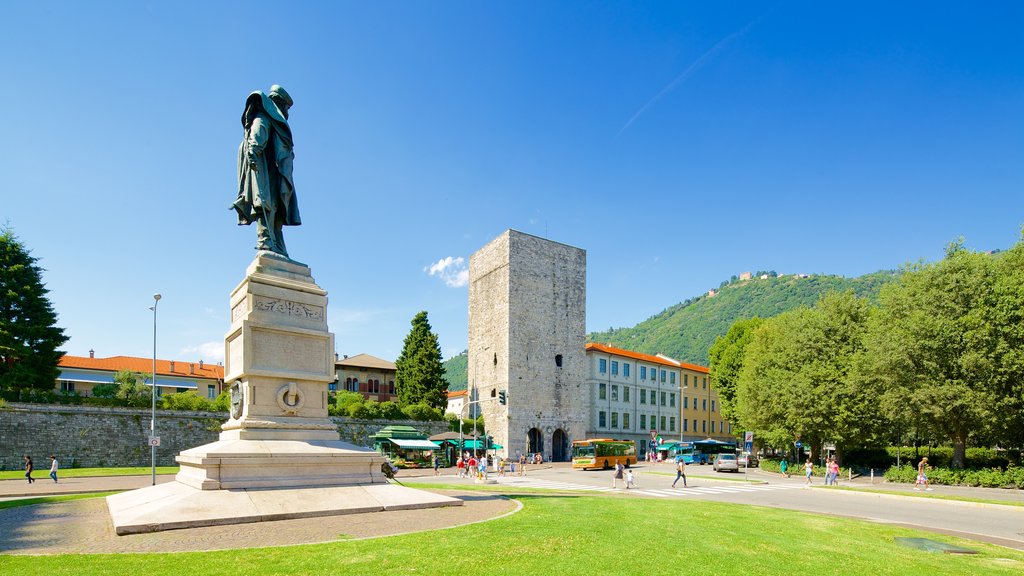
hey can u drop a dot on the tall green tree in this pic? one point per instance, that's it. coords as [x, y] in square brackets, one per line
[796, 377]
[420, 374]
[1008, 315]
[934, 348]
[29, 336]
[726, 356]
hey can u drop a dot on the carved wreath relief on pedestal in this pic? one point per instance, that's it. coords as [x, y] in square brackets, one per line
[289, 308]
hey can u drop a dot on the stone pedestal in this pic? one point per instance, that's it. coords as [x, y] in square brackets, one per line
[279, 446]
[279, 358]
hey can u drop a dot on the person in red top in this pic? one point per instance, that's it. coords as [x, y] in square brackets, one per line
[471, 468]
[461, 466]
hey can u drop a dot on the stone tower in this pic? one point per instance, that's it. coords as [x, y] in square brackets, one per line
[527, 319]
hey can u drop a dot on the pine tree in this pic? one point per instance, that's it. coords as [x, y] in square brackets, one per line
[420, 374]
[29, 337]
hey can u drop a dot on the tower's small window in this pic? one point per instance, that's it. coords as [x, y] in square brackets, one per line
[495, 358]
[558, 360]
[494, 392]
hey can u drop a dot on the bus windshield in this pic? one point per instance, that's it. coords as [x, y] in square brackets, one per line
[582, 451]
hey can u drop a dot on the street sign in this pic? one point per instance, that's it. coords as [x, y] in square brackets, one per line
[748, 442]
[154, 440]
[799, 444]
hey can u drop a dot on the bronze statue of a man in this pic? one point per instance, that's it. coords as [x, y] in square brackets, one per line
[266, 192]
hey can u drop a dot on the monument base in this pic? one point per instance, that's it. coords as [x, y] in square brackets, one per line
[243, 463]
[175, 505]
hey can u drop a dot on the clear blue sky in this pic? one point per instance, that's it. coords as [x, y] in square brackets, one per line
[679, 143]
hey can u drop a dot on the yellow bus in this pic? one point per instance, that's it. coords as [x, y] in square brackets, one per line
[603, 453]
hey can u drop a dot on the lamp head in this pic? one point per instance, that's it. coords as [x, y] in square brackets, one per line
[156, 297]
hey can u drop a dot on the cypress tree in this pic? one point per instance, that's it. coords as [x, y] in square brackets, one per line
[29, 336]
[420, 373]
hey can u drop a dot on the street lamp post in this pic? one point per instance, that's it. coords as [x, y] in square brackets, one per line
[152, 394]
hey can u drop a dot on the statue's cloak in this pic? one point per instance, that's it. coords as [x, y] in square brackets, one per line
[269, 187]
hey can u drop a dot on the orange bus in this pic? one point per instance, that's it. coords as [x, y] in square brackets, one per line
[603, 453]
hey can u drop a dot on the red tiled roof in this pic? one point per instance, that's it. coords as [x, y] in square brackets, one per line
[663, 360]
[457, 393]
[144, 365]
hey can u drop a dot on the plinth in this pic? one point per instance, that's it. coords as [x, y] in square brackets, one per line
[279, 455]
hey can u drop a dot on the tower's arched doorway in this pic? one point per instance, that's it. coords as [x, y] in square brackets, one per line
[536, 441]
[559, 446]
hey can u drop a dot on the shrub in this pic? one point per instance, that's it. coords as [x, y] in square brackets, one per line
[422, 411]
[3, 403]
[222, 403]
[188, 400]
[1012, 477]
[108, 390]
[390, 411]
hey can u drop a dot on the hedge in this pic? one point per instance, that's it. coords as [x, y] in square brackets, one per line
[1012, 477]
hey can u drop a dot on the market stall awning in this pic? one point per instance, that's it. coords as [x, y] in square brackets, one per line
[415, 444]
[479, 445]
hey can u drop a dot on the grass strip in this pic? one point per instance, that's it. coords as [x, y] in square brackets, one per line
[583, 535]
[5, 504]
[925, 495]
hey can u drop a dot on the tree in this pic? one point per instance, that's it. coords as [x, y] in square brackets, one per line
[1008, 315]
[29, 336]
[726, 356]
[131, 388]
[796, 377]
[420, 373]
[935, 349]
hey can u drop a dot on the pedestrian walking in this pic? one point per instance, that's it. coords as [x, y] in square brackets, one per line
[922, 475]
[809, 471]
[784, 467]
[630, 480]
[619, 468]
[834, 468]
[437, 465]
[680, 471]
[522, 465]
[53, 468]
[29, 468]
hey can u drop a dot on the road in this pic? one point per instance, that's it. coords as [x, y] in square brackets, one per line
[997, 524]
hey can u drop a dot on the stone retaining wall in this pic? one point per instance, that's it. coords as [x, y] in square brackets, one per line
[89, 436]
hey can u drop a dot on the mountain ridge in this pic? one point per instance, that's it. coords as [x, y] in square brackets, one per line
[685, 331]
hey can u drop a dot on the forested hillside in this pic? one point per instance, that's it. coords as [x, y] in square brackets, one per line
[455, 371]
[686, 331]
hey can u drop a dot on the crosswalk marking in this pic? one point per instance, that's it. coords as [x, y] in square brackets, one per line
[524, 482]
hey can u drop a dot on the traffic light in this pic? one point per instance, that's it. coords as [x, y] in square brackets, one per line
[502, 398]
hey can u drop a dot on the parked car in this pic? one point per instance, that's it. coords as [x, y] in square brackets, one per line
[725, 462]
[746, 460]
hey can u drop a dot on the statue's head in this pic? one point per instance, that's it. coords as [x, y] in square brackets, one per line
[281, 97]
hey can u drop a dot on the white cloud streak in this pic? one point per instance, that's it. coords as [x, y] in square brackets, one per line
[693, 67]
[207, 351]
[452, 270]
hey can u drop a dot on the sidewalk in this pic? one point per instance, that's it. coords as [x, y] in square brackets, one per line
[44, 486]
[879, 484]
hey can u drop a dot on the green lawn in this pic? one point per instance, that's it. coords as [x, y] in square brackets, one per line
[583, 535]
[925, 495]
[83, 472]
